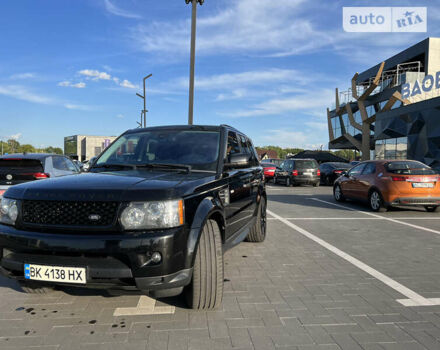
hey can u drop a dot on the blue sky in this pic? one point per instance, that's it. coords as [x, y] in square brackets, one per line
[269, 68]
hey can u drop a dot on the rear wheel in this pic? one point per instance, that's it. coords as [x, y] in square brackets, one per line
[337, 193]
[431, 208]
[316, 184]
[258, 231]
[376, 202]
[31, 287]
[206, 288]
[288, 182]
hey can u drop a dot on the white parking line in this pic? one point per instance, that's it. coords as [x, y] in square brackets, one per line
[358, 218]
[414, 299]
[379, 216]
[145, 306]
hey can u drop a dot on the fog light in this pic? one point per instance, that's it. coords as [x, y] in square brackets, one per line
[156, 257]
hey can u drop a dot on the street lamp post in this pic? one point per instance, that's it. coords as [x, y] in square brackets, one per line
[144, 111]
[192, 58]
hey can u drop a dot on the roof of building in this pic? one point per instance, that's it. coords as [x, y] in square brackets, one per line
[270, 153]
[320, 156]
[416, 52]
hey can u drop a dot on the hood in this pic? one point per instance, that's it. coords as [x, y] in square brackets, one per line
[132, 185]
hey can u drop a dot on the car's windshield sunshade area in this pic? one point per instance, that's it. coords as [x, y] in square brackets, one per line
[198, 149]
[409, 168]
[306, 164]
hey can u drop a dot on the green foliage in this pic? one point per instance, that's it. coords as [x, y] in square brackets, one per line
[13, 146]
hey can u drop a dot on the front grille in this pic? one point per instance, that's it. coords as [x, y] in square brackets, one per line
[69, 213]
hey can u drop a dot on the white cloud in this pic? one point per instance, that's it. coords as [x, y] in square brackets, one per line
[290, 139]
[247, 25]
[119, 12]
[78, 107]
[22, 93]
[21, 76]
[126, 84]
[263, 28]
[67, 83]
[95, 74]
[312, 103]
[15, 136]
[121, 116]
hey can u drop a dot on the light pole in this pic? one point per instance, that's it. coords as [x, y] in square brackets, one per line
[192, 58]
[144, 111]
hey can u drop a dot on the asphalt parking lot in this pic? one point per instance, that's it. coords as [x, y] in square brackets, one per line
[329, 276]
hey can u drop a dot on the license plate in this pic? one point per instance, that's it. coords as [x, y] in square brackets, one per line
[422, 185]
[55, 273]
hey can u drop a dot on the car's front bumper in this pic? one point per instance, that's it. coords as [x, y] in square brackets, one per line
[110, 259]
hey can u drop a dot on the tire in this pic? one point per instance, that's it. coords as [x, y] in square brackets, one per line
[328, 182]
[288, 182]
[257, 233]
[205, 291]
[431, 208]
[316, 184]
[376, 202]
[337, 194]
[34, 288]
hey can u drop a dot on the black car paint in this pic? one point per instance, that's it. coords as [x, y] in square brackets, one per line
[128, 252]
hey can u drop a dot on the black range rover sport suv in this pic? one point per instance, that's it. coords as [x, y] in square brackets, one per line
[156, 212]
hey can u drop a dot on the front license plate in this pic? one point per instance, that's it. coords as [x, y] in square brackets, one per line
[55, 273]
[422, 185]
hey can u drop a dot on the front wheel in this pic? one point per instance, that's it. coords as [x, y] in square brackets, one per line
[316, 184]
[376, 202]
[288, 182]
[206, 288]
[258, 231]
[431, 208]
[337, 193]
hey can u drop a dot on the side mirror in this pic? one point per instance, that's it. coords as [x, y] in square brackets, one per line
[237, 161]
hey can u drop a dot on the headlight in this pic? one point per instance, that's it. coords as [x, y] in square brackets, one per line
[152, 215]
[8, 211]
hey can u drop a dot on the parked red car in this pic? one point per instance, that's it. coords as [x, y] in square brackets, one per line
[269, 170]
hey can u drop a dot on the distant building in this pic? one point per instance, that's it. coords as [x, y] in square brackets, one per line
[266, 154]
[84, 147]
[392, 109]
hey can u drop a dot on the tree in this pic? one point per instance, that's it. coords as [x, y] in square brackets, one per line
[26, 148]
[13, 145]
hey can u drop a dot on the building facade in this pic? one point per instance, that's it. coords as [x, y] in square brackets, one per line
[392, 110]
[84, 147]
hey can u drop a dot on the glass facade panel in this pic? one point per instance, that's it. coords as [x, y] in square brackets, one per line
[396, 148]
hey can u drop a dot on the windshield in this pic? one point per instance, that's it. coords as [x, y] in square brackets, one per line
[198, 149]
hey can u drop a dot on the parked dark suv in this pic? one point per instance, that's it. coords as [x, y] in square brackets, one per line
[156, 212]
[23, 167]
[298, 172]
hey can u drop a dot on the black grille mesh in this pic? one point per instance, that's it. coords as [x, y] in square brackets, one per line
[69, 213]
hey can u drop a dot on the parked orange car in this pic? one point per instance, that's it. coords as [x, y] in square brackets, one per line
[385, 183]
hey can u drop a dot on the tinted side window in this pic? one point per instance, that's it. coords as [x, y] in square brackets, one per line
[70, 165]
[233, 146]
[59, 163]
[369, 169]
[357, 170]
[253, 153]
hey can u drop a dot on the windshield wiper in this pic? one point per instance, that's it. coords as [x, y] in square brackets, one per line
[120, 166]
[185, 167]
